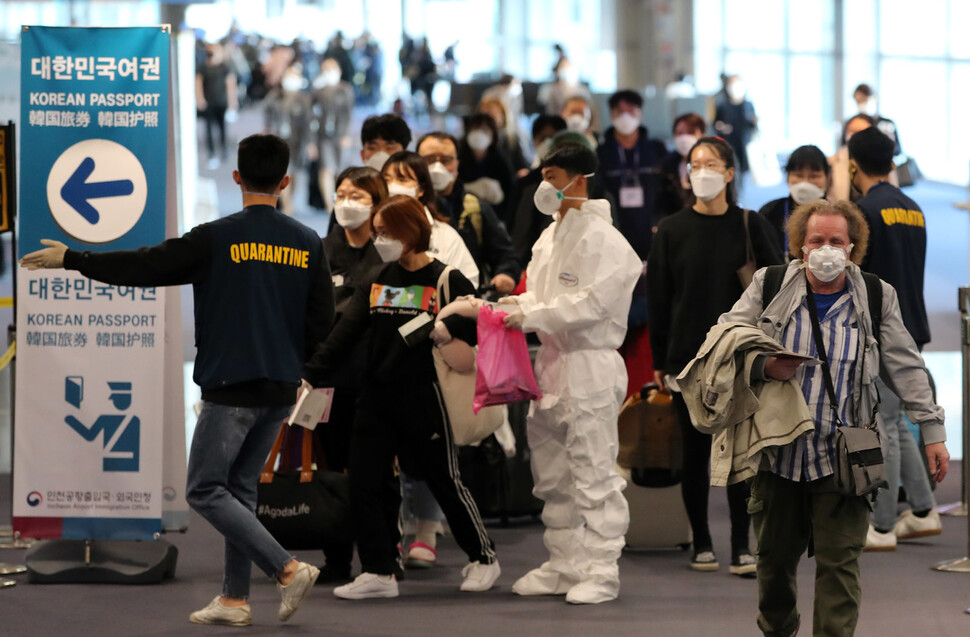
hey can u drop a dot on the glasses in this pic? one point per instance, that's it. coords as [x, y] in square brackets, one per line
[710, 165]
[356, 197]
[436, 157]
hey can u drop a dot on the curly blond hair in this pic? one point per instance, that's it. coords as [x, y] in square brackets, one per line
[858, 227]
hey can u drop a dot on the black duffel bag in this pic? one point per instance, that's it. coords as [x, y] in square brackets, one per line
[303, 508]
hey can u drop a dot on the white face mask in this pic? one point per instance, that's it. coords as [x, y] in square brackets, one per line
[737, 91]
[389, 249]
[292, 83]
[395, 188]
[827, 262]
[683, 143]
[577, 123]
[805, 191]
[479, 139]
[377, 160]
[569, 75]
[548, 199]
[625, 123]
[350, 214]
[706, 184]
[441, 177]
[327, 78]
[541, 151]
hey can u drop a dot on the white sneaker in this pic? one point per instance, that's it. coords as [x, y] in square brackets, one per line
[592, 592]
[909, 526]
[367, 586]
[293, 594]
[480, 577]
[876, 541]
[540, 581]
[216, 613]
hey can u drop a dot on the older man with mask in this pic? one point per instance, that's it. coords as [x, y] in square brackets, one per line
[475, 220]
[794, 501]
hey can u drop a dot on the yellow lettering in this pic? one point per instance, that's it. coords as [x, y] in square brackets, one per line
[286, 256]
[244, 251]
[234, 252]
[304, 262]
[294, 255]
[277, 254]
[261, 247]
[252, 252]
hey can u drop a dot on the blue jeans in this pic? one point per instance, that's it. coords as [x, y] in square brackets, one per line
[229, 449]
[903, 461]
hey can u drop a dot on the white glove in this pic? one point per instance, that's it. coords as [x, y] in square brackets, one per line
[440, 334]
[487, 189]
[514, 320]
[508, 300]
[232, 116]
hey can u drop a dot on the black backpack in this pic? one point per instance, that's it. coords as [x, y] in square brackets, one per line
[775, 274]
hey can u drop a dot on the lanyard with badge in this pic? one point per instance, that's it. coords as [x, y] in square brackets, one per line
[631, 190]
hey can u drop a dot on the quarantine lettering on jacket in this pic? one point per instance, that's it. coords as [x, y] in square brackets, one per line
[283, 255]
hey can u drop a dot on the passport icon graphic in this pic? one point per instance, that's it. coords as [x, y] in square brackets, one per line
[74, 390]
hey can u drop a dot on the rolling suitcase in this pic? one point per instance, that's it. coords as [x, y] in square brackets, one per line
[650, 459]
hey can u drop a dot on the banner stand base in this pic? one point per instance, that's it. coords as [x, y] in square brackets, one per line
[100, 562]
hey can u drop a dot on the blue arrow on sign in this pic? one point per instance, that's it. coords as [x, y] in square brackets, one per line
[76, 191]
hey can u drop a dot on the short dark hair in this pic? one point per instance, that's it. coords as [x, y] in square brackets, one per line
[417, 166]
[440, 136]
[726, 154]
[262, 161]
[873, 151]
[555, 122]
[404, 217]
[810, 157]
[389, 127]
[365, 178]
[626, 95]
[865, 89]
[693, 120]
[575, 159]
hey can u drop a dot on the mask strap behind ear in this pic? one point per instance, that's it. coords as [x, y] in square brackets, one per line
[562, 196]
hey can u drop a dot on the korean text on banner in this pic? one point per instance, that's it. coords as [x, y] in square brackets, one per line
[87, 449]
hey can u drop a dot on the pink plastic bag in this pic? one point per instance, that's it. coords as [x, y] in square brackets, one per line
[504, 370]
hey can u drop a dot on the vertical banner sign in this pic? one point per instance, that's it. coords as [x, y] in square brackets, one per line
[88, 442]
[5, 210]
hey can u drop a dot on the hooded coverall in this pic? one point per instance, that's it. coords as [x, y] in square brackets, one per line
[579, 285]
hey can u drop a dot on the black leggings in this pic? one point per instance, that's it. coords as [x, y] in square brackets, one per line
[696, 486]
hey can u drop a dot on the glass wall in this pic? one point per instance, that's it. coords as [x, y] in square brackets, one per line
[802, 61]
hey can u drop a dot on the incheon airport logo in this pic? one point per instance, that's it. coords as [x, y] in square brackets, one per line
[34, 498]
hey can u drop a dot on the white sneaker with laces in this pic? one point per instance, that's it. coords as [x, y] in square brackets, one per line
[367, 586]
[297, 590]
[480, 577]
[216, 613]
[876, 541]
[909, 526]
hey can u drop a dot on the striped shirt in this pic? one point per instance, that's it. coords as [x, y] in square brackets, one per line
[812, 455]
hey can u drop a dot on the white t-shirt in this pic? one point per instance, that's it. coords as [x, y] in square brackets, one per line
[448, 247]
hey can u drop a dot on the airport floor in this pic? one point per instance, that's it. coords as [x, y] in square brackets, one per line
[660, 595]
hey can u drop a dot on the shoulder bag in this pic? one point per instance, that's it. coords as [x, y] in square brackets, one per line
[458, 389]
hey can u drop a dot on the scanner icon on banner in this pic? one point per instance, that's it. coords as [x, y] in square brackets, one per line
[97, 191]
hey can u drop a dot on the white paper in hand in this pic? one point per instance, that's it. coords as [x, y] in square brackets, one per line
[312, 407]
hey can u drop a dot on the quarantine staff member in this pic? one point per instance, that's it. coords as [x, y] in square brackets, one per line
[263, 297]
[400, 411]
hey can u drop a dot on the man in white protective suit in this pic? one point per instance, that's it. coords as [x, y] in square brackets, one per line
[579, 285]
